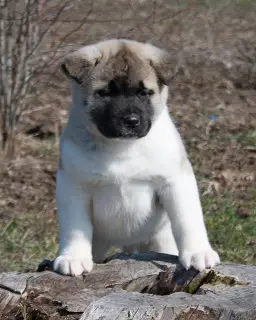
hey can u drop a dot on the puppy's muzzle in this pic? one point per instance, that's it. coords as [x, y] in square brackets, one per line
[132, 120]
[126, 124]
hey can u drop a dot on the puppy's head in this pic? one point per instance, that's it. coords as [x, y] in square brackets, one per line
[120, 85]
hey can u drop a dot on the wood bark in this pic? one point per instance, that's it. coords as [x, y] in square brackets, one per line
[136, 287]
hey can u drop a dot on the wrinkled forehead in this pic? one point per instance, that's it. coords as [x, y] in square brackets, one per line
[127, 67]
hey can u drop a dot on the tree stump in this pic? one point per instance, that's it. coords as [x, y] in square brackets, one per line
[142, 286]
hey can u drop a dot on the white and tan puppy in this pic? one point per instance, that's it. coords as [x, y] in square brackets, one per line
[124, 178]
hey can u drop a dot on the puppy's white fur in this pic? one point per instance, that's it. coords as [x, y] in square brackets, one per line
[106, 190]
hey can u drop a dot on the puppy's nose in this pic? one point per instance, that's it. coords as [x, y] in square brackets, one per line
[132, 120]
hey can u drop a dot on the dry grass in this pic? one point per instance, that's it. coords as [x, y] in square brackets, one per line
[213, 101]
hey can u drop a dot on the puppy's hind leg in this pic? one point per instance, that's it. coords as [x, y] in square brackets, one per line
[99, 249]
[163, 241]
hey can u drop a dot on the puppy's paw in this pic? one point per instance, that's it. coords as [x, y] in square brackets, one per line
[200, 260]
[72, 265]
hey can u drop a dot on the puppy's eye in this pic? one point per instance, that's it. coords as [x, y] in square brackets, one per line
[145, 92]
[102, 93]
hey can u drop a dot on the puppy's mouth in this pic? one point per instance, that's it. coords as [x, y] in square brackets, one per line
[130, 125]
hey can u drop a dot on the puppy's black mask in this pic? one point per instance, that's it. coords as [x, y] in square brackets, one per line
[123, 110]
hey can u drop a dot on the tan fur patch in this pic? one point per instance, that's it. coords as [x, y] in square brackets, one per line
[98, 64]
[124, 64]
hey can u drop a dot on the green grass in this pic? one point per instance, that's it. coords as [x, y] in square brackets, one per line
[247, 138]
[25, 241]
[231, 235]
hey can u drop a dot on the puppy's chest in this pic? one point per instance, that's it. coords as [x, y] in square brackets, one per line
[120, 210]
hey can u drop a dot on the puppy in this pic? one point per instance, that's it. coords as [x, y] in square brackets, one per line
[124, 178]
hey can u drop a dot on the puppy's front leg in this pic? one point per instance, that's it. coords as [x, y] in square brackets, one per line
[180, 198]
[75, 228]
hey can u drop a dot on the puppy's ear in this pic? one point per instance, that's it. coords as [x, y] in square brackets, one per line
[78, 66]
[164, 67]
